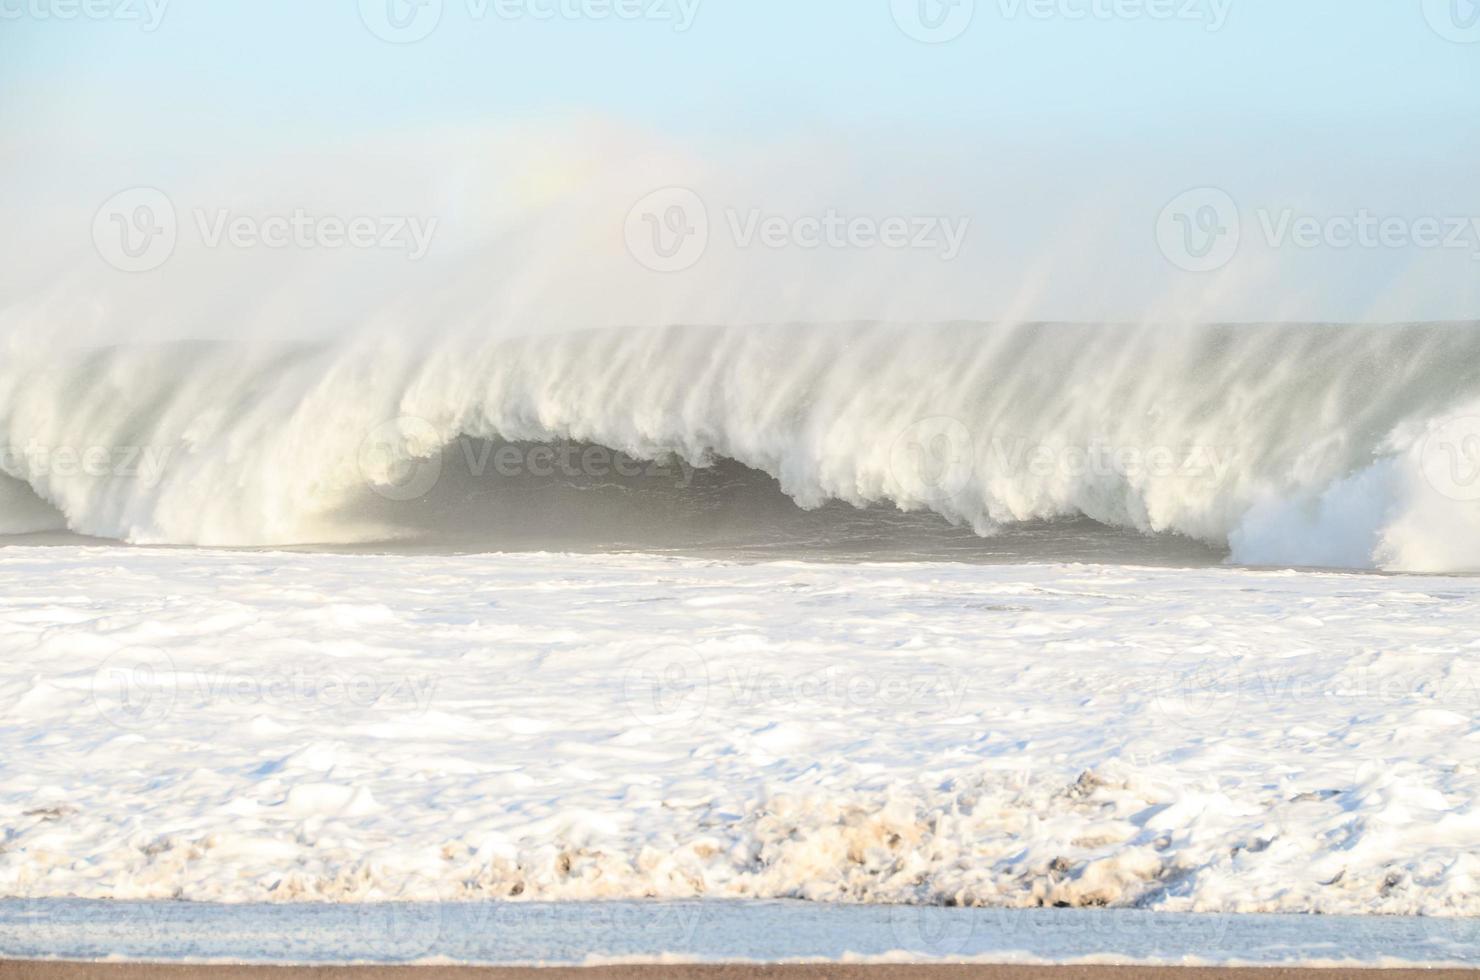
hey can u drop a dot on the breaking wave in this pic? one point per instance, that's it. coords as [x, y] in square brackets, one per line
[1311, 445]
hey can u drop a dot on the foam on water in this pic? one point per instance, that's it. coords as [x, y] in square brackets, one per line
[247, 726]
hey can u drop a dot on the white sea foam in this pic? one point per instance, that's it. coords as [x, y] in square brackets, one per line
[1311, 445]
[243, 726]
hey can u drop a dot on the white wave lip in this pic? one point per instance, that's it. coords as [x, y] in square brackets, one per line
[208, 725]
[1352, 446]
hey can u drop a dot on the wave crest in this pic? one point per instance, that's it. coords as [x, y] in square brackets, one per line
[1353, 446]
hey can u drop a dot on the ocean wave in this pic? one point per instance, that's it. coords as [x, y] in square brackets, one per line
[1314, 445]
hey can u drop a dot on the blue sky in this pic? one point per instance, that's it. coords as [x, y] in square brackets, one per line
[285, 67]
[1061, 127]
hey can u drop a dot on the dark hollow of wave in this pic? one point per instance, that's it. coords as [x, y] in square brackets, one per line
[496, 496]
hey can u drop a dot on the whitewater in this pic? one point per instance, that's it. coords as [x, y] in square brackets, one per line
[1003, 615]
[1306, 445]
[246, 726]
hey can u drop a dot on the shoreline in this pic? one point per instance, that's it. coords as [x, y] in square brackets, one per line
[73, 970]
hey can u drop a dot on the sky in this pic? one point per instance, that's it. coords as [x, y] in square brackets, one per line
[281, 68]
[1060, 129]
